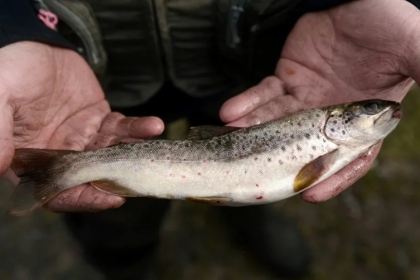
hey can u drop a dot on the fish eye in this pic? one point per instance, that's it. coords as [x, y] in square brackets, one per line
[372, 107]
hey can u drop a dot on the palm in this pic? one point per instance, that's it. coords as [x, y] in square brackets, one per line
[53, 101]
[351, 52]
[54, 107]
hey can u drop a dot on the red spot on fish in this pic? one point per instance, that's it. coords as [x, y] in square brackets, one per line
[259, 197]
[184, 159]
[152, 160]
[257, 185]
[74, 166]
[183, 176]
[255, 158]
[199, 173]
[204, 160]
[227, 171]
[172, 175]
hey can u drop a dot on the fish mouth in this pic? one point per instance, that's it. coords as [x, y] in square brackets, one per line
[393, 112]
[397, 114]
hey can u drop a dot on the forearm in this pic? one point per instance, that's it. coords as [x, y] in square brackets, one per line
[19, 22]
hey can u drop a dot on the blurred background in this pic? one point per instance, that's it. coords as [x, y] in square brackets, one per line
[370, 231]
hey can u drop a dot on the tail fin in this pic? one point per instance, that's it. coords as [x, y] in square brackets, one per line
[35, 168]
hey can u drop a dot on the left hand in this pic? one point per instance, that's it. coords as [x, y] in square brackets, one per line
[362, 50]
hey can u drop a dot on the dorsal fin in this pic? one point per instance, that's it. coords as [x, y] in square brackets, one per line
[209, 131]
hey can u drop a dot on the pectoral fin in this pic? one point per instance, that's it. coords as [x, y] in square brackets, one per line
[312, 171]
[112, 187]
[209, 131]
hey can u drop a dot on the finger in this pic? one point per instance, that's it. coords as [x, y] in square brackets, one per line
[279, 107]
[141, 127]
[343, 179]
[246, 102]
[7, 147]
[84, 198]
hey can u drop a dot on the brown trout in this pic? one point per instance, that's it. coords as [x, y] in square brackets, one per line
[217, 165]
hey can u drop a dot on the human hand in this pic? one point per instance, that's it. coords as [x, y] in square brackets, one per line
[50, 99]
[361, 50]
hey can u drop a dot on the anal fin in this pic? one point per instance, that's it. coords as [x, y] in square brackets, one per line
[210, 200]
[112, 187]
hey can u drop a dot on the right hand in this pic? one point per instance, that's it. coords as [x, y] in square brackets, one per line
[360, 50]
[51, 99]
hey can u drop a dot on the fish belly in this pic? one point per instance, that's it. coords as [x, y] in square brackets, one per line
[253, 180]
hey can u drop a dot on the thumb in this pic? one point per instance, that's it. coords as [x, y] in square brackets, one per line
[255, 105]
[7, 148]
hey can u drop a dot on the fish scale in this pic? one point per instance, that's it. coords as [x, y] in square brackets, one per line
[217, 165]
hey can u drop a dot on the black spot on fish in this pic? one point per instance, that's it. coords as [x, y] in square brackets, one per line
[307, 136]
[341, 115]
[281, 162]
[332, 129]
[269, 159]
[299, 124]
[314, 148]
[318, 137]
[292, 136]
[313, 125]
[277, 131]
[317, 115]
[294, 158]
[311, 156]
[283, 148]
[334, 122]
[324, 140]
[346, 121]
[343, 132]
[298, 148]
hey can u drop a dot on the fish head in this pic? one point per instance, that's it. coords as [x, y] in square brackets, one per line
[366, 122]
